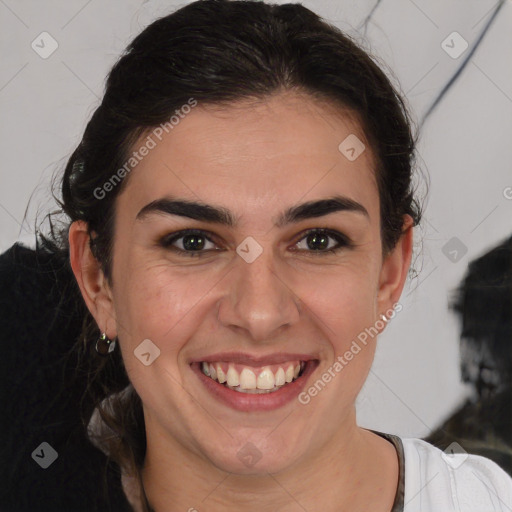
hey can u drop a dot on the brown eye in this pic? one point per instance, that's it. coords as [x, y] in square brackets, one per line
[196, 242]
[320, 241]
[193, 242]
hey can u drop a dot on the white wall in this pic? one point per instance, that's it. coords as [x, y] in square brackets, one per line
[466, 148]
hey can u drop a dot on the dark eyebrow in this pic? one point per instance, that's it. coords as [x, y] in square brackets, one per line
[219, 215]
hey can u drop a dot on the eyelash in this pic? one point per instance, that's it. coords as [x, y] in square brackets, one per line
[342, 240]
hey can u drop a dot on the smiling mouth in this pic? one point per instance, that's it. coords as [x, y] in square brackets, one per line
[251, 380]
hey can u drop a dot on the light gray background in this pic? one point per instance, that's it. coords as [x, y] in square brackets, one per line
[465, 147]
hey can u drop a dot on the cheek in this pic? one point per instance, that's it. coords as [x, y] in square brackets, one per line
[153, 304]
[150, 302]
[166, 304]
[344, 299]
[345, 306]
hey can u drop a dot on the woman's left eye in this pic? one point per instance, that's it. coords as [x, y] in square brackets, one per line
[194, 242]
[319, 240]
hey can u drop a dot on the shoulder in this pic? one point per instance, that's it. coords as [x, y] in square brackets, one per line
[453, 480]
[24, 269]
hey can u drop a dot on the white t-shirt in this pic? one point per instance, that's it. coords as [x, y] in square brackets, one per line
[459, 482]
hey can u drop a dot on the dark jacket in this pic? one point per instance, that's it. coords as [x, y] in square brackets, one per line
[482, 427]
[40, 320]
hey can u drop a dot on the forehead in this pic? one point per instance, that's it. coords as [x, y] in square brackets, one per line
[255, 156]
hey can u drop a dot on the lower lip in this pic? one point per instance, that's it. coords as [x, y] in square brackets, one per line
[247, 402]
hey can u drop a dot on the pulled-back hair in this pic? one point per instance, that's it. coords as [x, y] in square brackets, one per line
[217, 52]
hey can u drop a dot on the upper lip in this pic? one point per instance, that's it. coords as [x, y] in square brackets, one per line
[253, 360]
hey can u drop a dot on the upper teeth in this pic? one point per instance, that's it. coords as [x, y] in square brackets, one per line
[245, 377]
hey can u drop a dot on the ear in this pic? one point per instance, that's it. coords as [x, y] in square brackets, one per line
[91, 280]
[395, 268]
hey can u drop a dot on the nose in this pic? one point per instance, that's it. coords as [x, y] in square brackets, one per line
[258, 300]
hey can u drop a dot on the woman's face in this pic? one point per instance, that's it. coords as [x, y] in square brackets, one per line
[257, 297]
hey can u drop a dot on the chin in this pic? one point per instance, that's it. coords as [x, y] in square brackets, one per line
[254, 457]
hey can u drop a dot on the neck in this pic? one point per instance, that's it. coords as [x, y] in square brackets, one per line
[357, 470]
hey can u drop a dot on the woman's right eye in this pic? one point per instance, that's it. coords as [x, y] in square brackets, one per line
[192, 242]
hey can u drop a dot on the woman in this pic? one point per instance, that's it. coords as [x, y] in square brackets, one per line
[241, 225]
